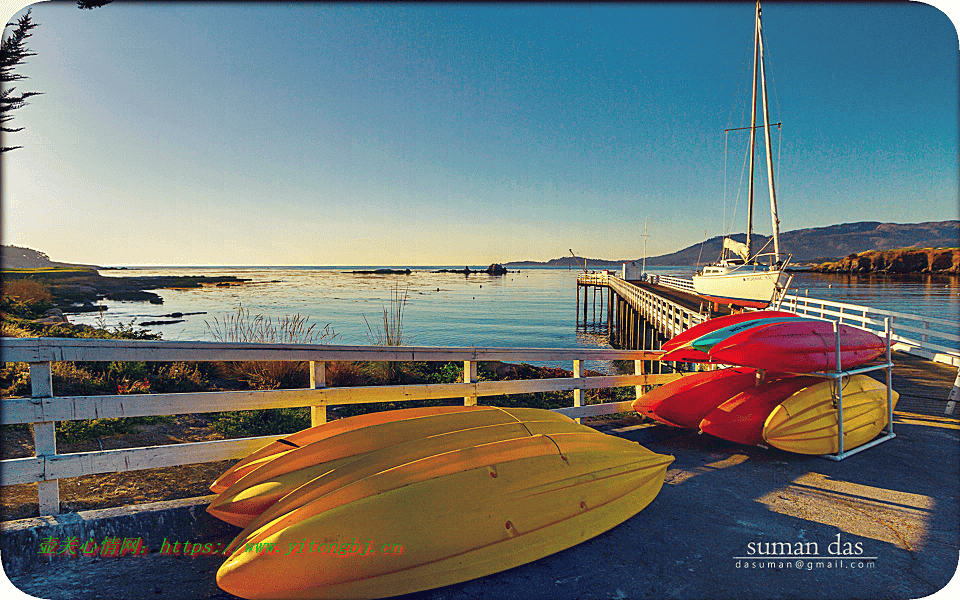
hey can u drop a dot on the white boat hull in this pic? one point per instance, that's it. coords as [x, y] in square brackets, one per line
[755, 289]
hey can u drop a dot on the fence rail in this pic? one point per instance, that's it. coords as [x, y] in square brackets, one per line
[43, 409]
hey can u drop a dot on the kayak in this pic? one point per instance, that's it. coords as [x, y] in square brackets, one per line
[326, 430]
[685, 401]
[284, 472]
[404, 527]
[798, 347]
[806, 422]
[711, 325]
[705, 342]
[740, 419]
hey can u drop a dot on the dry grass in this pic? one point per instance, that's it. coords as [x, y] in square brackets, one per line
[27, 290]
[390, 331]
[342, 373]
[244, 328]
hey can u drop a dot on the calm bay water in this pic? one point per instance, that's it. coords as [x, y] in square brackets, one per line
[534, 307]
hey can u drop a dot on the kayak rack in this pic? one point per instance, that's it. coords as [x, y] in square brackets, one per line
[839, 374]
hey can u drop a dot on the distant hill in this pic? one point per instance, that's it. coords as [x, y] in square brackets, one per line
[15, 257]
[816, 244]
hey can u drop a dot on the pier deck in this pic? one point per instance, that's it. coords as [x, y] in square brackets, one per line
[686, 299]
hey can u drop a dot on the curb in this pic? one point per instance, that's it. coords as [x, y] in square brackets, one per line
[183, 520]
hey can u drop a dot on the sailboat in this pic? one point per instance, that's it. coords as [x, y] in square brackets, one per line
[740, 276]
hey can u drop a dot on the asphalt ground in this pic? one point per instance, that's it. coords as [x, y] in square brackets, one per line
[723, 508]
[897, 502]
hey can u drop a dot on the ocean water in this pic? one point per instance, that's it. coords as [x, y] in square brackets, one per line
[532, 307]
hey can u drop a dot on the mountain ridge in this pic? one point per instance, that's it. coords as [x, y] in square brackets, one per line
[811, 245]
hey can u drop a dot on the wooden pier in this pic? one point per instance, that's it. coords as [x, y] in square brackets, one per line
[642, 315]
[637, 315]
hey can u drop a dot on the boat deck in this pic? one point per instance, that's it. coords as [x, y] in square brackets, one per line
[720, 502]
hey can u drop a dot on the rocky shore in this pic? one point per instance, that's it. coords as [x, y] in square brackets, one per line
[76, 290]
[901, 261]
[494, 269]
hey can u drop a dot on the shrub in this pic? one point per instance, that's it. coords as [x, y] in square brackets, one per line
[27, 290]
[341, 373]
[180, 377]
[94, 429]
[25, 299]
[262, 422]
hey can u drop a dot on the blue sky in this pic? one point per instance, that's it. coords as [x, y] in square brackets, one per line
[326, 134]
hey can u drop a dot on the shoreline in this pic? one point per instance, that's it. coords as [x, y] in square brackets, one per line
[76, 290]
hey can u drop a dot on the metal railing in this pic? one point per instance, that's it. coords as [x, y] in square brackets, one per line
[43, 409]
[929, 337]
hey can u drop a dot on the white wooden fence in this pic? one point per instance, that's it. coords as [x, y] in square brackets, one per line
[43, 410]
[932, 338]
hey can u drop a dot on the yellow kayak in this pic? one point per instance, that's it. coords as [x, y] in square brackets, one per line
[400, 441]
[806, 422]
[324, 431]
[395, 527]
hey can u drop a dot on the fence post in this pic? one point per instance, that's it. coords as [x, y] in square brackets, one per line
[954, 396]
[639, 370]
[578, 393]
[318, 379]
[45, 438]
[470, 376]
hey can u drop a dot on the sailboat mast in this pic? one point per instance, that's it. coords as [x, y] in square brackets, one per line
[753, 131]
[766, 129]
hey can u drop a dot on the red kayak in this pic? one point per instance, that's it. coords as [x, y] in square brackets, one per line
[686, 354]
[798, 347]
[646, 403]
[741, 418]
[684, 402]
[712, 325]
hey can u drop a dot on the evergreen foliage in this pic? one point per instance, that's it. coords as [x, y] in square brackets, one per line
[13, 51]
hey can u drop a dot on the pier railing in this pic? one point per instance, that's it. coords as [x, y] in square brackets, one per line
[677, 283]
[929, 337]
[593, 278]
[44, 409]
[668, 317]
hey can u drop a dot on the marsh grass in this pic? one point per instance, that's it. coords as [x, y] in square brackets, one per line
[243, 328]
[389, 331]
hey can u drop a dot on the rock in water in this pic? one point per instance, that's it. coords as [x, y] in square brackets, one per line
[496, 269]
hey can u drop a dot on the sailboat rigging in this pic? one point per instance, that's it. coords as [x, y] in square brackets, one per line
[739, 277]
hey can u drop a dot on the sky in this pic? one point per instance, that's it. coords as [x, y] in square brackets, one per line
[389, 134]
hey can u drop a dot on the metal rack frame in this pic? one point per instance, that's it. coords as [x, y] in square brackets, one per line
[838, 376]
